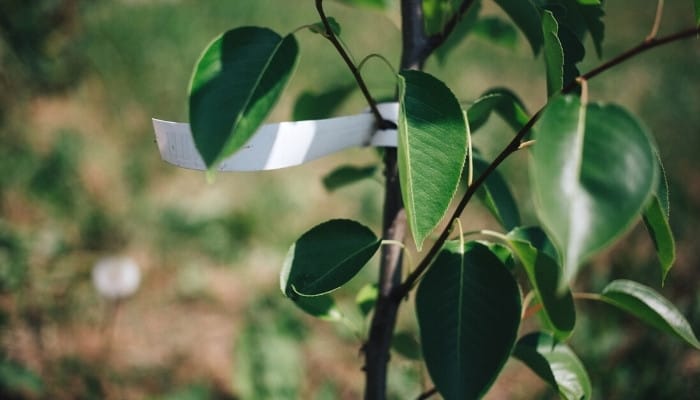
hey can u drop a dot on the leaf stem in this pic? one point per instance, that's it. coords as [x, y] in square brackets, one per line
[330, 35]
[657, 21]
[588, 296]
[515, 143]
[428, 394]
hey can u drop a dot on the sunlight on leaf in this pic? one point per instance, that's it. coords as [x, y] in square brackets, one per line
[593, 170]
[235, 84]
[432, 150]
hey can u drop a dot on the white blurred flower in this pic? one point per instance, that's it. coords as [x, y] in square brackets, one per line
[116, 277]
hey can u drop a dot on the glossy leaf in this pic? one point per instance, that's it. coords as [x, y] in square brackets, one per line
[656, 220]
[553, 54]
[496, 196]
[322, 307]
[538, 257]
[366, 298]
[501, 101]
[235, 84]
[593, 169]
[346, 175]
[468, 308]
[431, 150]
[556, 364]
[310, 105]
[326, 257]
[651, 307]
[527, 17]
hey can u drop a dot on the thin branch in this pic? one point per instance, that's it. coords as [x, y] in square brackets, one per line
[439, 38]
[514, 145]
[430, 393]
[330, 35]
[642, 47]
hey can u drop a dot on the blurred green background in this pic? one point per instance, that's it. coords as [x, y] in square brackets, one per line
[81, 179]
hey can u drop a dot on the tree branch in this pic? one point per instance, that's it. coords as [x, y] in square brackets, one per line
[330, 35]
[439, 38]
[514, 145]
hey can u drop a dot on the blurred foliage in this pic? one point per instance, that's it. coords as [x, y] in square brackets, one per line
[119, 62]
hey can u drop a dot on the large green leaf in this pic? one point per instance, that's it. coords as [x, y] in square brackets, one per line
[538, 258]
[651, 307]
[326, 257]
[527, 17]
[501, 101]
[553, 54]
[656, 216]
[432, 148]
[468, 308]
[556, 364]
[496, 196]
[235, 84]
[593, 169]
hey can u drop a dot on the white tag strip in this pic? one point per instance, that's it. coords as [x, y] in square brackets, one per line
[281, 145]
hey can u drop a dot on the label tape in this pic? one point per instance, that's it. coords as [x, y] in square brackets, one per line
[281, 145]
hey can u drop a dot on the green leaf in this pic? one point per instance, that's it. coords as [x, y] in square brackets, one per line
[320, 27]
[649, 306]
[538, 257]
[468, 308]
[463, 28]
[436, 13]
[496, 196]
[553, 54]
[656, 219]
[501, 101]
[346, 175]
[697, 12]
[660, 232]
[322, 307]
[326, 257]
[580, 17]
[556, 364]
[527, 17]
[366, 298]
[431, 150]
[235, 84]
[497, 31]
[574, 52]
[311, 105]
[406, 344]
[593, 169]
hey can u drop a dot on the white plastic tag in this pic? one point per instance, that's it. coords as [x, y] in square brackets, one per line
[281, 145]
